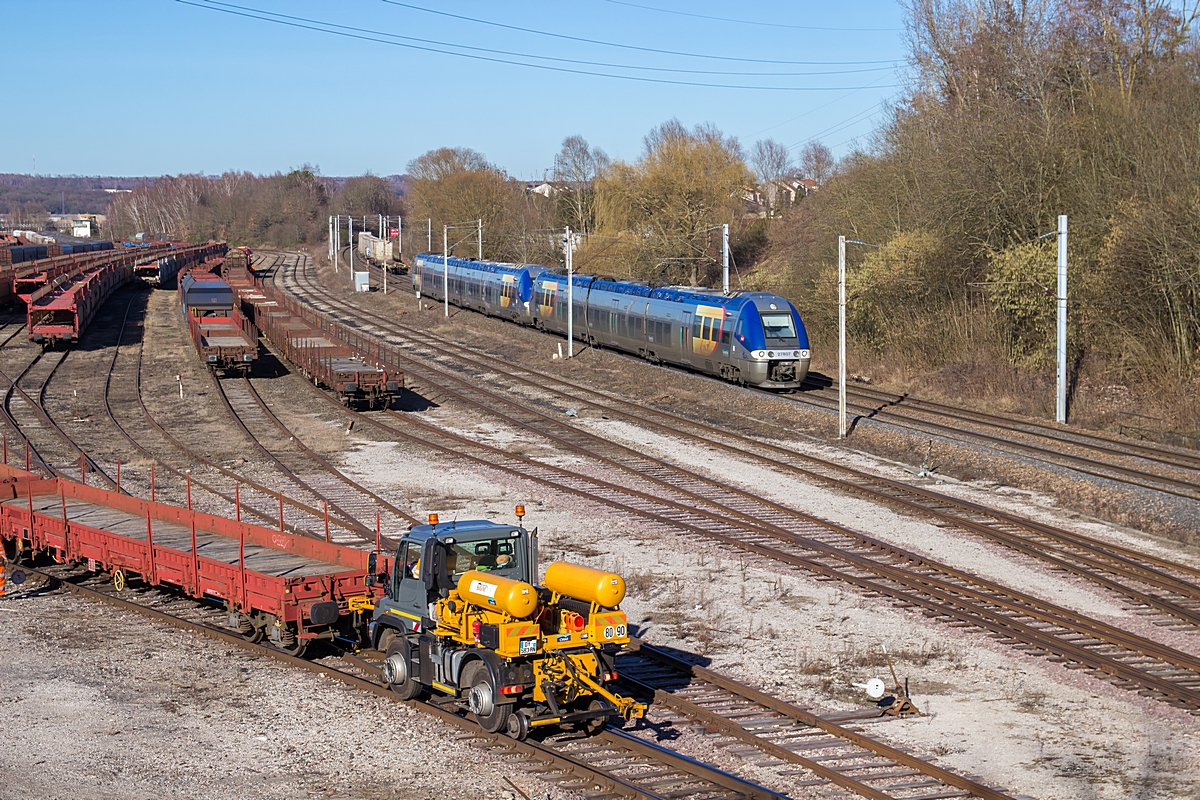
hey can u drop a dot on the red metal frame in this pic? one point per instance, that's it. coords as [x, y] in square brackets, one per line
[244, 590]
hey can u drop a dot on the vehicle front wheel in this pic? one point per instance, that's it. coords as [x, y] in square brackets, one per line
[397, 668]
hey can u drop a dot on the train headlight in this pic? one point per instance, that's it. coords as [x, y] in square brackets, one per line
[760, 353]
[805, 354]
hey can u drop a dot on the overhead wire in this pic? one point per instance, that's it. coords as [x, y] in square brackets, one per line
[749, 22]
[869, 112]
[812, 110]
[361, 34]
[515, 54]
[621, 46]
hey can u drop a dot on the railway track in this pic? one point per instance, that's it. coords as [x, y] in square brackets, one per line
[618, 763]
[758, 725]
[260, 500]
[1132, 465]
[314, 476]
[24, 411]
[1165, 590]
[1123, 449]
[721, 514]
[1172, 471]
[126, 392]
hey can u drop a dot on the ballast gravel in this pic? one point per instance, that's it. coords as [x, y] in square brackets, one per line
[101, 703]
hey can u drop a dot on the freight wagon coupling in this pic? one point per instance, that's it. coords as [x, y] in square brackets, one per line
[465, 619]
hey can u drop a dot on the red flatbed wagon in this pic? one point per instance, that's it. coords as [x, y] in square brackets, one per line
[357, 370]
[292, 589]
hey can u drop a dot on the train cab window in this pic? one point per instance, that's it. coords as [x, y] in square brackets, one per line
[779, 326]
[724, 334]
[741, 337]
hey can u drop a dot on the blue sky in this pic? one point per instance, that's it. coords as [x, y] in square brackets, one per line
[147, 87]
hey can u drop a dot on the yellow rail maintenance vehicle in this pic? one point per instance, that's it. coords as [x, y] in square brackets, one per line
[465, 619]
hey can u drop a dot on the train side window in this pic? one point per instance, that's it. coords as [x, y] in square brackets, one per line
[698, 327]
[724, 334]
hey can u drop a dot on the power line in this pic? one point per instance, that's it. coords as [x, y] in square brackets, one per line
[345, 32]
[807, 113]
[749, 22]
[426, 41]
[631, 46]
[843, 124]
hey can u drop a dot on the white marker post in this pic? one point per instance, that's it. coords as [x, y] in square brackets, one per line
[1060, 406]
[569, 247]
[725, 258]
[841, 337]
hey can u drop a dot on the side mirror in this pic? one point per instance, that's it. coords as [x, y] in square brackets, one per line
[372, 563]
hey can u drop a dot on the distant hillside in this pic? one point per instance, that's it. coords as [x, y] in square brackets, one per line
[70, 195]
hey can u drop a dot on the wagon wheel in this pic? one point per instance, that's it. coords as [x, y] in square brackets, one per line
[290, 643]
[119, 580]
[297, 648]
[249, 631]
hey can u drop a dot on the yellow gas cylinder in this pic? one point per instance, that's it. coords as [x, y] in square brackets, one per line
[515, 598]
[584, 583]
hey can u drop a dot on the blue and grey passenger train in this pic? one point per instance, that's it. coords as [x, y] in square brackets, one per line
[745, 337]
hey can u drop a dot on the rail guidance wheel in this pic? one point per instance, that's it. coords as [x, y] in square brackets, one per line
[119, 580]
[481, 698]
[594, 726]
[518, 725]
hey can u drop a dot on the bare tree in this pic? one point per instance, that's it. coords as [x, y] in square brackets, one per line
[816, 162]
[663, 205]
[578, 164]
[771, 162]
[446, 161]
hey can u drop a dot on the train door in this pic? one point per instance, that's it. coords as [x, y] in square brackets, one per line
[614, 322]
[684, 340]
[636, 315]
[583, 328]
[708, 332]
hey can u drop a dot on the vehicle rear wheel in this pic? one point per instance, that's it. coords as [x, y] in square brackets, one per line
[397, 668]
[481, 698]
